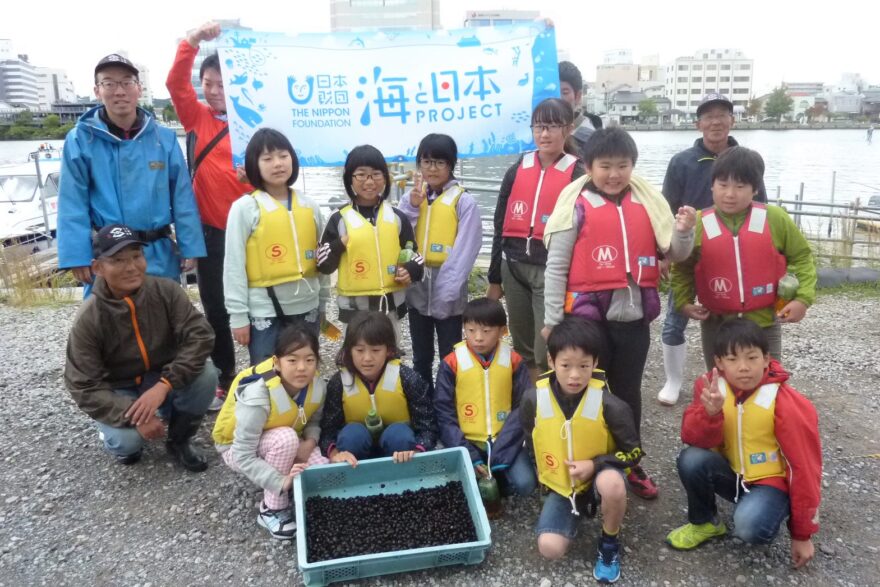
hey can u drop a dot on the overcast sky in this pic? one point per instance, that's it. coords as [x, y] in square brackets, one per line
[789, 41]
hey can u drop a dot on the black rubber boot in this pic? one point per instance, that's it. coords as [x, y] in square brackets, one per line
[181, 428]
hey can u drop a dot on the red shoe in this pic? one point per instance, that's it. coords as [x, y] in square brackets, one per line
[641, 484]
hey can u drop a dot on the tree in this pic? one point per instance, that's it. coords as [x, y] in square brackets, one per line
[24, 118]
[169, 114]
[52, 122]
[778, 104]
[647, 109]
[753, 109]
[817, 111]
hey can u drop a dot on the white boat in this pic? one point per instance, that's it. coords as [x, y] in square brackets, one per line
[29, 197]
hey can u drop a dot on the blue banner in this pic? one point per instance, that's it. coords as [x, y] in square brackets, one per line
[330, 93]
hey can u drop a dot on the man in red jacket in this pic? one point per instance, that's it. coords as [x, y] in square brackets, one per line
[215, 182]
[750, 435]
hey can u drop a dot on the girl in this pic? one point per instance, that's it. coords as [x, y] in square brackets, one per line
[449, 234]
[269, 425]
[371, 377]
[364, 240]
[527, 197]
[270, 274]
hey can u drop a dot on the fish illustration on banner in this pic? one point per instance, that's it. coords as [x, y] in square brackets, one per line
[330, 92]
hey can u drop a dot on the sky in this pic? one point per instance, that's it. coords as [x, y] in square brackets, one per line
[788, 41]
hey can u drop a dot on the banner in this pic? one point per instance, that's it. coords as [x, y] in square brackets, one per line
[330, 93]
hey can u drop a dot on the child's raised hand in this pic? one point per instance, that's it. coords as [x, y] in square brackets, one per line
[695, 311]
[581, 470]
[403, 456]
[793, 311]
[711, 397]
[418, 193]
[344, 457]
[685, 219]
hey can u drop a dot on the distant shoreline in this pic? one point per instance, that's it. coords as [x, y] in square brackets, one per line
[690, 126]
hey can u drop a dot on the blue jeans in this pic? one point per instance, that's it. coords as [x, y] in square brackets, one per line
[520, 475]
[193, 399]
[356, 439]
[422, 330]
[262, 344]
[757, 515]
[674, 325]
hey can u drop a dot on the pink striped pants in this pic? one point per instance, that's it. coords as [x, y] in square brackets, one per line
[278, 448]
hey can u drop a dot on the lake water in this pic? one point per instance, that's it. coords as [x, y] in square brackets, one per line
[791, 156]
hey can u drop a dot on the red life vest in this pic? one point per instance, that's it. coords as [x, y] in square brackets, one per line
[534, 194]
[613, 241]
[738, 273]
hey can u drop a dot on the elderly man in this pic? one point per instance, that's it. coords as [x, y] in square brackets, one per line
[138, 347]
[688, 182]
[120, 166]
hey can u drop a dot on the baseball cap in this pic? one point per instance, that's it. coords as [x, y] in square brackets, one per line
[113, 238]
[714, 98]
[115, 59]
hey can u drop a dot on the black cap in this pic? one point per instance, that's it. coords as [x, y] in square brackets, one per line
[113, 238]
[714, 98]
[115, 59]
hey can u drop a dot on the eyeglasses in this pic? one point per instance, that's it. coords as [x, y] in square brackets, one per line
[110, 85]
[376, 176]
[542, 128]
[435, 163]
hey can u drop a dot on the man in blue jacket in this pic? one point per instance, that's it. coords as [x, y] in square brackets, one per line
[121, 166]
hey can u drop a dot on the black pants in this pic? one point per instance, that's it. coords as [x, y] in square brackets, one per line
[623, 360]
[422, 330]
[210, 276]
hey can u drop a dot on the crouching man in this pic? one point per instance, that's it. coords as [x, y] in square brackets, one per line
[137, 355]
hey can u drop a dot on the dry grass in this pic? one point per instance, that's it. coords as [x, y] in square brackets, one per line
[27, 282]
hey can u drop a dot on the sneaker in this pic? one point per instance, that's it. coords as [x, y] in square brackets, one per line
[607, 568]
[219, 399]
[691, 536]
[129, 459]
[279, 523]
[641, 484]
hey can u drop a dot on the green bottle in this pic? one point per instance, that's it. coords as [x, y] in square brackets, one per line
[373, 421]
[491, 496]
[786, 289]
[406, 254]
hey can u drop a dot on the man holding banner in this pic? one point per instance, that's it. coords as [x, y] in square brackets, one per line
[215, 182]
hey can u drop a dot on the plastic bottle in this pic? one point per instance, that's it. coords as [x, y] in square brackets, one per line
[786, 290]
[406, 254]
[491, 496]
[373, 421]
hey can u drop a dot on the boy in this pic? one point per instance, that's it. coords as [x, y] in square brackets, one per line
[583, 439]
[604, 241]
[478, 408]
[741, 250]
[748, 410]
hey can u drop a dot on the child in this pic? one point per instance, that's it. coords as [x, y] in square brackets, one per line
[478, 408]
[270, 273]
[750, 436]
[604, 241]
[741, 250]
[449, 233]
[371, 377]
[528, 194]
[583, 438]
[364, 240]
[269, 425]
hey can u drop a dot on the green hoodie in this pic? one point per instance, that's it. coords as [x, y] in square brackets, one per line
[787, 239]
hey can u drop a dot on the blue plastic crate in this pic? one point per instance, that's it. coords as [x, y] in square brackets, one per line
[382, 476]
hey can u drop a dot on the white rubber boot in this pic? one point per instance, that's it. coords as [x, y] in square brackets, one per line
[673, 363]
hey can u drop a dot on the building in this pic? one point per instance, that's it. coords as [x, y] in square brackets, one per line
[54, 87]
[623, 106]
[475, 18]
[18, 79]
[727, 71]
[207, 48]
[369, 15]
[617, 75]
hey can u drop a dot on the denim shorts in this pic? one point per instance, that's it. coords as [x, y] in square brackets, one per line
[556, 516]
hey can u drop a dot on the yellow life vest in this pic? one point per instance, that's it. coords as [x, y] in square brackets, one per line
[283, 410]
[750, 444]
[389, 399]
[437, 226]
[369, 263]
[483, 396]
[282, 247]
[557, 440]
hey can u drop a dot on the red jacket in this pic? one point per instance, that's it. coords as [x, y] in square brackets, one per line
[216, 183]
[797, 432]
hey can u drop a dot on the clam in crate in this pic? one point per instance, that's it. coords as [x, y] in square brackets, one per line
[430, 470]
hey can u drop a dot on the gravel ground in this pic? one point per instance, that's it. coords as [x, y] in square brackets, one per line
[70, 516]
